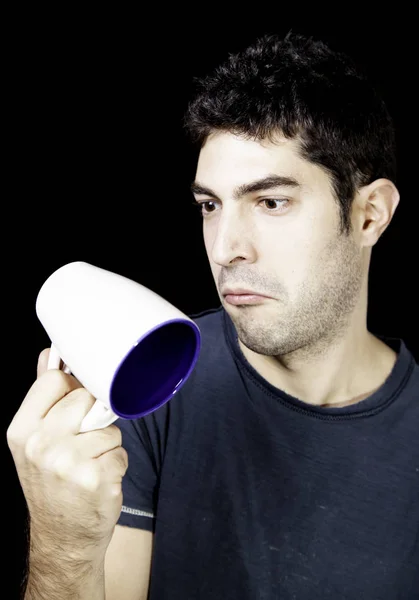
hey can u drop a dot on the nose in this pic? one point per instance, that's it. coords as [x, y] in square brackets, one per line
[233, 240]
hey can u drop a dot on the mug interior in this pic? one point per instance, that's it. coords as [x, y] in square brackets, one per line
[155, 368]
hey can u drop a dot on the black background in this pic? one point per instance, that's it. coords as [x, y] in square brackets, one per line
[97, 168]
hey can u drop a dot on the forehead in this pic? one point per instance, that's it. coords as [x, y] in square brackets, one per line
[229, 159]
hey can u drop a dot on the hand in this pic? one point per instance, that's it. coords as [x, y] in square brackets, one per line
[71, 480]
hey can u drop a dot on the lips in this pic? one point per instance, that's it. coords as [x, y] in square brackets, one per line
[240, 292]
[242, 296]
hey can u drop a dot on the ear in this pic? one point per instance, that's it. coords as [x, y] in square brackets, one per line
[376, 204]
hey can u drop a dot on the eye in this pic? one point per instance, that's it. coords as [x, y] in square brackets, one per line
[206, 207]
[272, 206]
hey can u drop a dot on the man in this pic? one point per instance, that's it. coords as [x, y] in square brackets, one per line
[288, 464]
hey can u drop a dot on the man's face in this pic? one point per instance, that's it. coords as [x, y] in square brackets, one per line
[282, 241]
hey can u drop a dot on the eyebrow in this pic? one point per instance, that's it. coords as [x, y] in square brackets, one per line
[266, 183]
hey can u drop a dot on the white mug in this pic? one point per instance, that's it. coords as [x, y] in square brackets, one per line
[128, 346]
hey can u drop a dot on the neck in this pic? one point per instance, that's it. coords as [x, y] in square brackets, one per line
[331, 374]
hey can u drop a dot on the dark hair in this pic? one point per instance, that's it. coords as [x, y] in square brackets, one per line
[302, 89]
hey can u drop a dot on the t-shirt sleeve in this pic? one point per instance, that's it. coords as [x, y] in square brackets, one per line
[142, 441]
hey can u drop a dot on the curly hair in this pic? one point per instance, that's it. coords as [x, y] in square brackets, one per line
[300, 88]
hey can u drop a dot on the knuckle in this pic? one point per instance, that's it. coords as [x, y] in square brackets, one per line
[76, 400]
[12, 436]
[46, 454]
[87, 476]
[61, 463]
[54, 378]
[34, 446]
[114, 461]
[83, 396]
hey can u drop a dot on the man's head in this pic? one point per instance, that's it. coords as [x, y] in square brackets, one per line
[294, 110]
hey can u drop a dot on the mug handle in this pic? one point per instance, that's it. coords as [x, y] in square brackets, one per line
[99, 416]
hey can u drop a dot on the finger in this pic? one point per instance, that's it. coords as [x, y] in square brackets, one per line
[114, 465]
[66, 453]
[106, 471]
[44, 393]
[65, 417]
[92, 444]
[42, 362]
[42, 366]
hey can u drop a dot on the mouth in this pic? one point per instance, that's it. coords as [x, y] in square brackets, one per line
[239, 299]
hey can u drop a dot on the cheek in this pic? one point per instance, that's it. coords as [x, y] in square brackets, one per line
[295, 257]
[288, 245]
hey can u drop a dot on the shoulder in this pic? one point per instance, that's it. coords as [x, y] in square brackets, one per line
[405, 379]
[412, 386]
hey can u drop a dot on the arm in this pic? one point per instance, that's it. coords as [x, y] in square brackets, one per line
[54, 577]
[126, 571]
[127, 564]
[72, 483]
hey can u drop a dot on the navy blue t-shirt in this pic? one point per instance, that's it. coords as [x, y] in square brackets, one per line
[253, 494]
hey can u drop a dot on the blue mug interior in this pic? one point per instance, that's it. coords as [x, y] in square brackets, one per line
[155, 369]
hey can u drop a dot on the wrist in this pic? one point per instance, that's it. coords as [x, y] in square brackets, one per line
[46, 547]
[63, 577]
